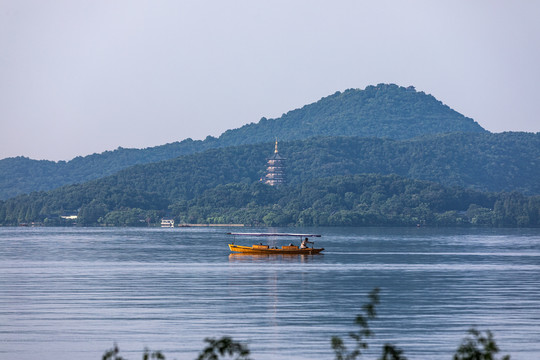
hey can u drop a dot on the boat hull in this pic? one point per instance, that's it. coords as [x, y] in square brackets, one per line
[257, 249]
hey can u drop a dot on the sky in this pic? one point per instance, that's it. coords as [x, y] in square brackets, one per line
[86, 76]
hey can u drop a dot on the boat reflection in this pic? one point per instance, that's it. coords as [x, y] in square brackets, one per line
[292, 258]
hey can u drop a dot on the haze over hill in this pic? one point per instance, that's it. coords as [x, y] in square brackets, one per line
[384, 111]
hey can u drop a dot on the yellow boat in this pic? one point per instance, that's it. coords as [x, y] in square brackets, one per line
[286, 249]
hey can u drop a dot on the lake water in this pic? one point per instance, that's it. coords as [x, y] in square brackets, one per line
[71, 293]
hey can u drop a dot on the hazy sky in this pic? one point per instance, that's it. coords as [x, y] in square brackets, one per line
[78, 76]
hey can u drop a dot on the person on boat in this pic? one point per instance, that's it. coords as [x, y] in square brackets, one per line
[304, 243]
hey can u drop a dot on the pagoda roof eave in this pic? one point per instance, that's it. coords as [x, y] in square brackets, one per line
[276, 157]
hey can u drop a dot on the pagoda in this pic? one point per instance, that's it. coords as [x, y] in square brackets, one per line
[275, 171]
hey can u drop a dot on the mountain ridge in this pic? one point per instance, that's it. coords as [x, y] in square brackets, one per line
[368, 113]
[385, 110]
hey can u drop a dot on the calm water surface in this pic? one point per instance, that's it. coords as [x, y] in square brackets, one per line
[70, 293]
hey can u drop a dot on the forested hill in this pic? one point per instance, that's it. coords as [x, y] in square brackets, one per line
[487, 162]
[384, 111]
[21, 175]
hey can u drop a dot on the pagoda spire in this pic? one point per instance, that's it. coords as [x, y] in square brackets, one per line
[275, 150]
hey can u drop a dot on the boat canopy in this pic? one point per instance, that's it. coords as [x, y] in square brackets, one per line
[276, 234]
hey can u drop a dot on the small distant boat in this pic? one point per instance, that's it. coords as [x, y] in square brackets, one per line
[167, 222]
[285, 249]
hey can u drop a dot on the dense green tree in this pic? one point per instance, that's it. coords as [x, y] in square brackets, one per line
[359, 200]
[89, 214]
[222, 185]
